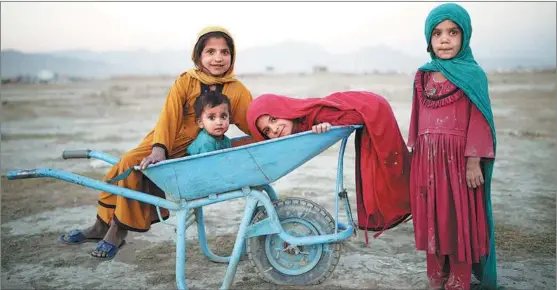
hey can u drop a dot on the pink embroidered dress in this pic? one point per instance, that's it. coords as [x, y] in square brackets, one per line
[445, 128]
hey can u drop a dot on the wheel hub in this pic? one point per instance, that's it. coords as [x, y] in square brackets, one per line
[289, 259]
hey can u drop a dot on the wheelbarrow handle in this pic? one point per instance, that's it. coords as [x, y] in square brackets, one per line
[72, 154]
[88, 153]
[23, 174]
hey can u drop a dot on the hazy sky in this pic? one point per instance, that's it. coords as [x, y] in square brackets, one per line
[339, 27]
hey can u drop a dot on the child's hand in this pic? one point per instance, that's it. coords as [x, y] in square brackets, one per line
[474, 176]
[321, 128]
[157, 154]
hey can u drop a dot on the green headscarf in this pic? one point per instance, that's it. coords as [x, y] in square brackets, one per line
[463, 71]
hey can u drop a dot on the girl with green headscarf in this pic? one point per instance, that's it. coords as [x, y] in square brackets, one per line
[453, 143]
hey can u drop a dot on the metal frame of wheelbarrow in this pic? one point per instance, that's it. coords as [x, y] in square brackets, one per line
[183, 208]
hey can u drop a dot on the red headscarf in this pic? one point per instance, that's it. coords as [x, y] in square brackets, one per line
[382, 166]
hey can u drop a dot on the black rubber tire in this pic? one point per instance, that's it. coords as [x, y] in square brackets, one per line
[319, 218]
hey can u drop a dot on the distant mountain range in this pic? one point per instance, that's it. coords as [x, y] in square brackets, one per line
[290, 57]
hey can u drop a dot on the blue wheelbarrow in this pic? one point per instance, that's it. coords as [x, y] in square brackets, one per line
[289, 242]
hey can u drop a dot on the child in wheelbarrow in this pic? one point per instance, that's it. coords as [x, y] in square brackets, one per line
[212, 112]
[382, 158]
[214, 56]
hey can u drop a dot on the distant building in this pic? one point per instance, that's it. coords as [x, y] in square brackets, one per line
[320, 69]
[45, 76]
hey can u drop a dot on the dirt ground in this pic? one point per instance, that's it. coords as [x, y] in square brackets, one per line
[39, 122]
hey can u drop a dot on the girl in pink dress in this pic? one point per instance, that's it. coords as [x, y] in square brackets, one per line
[452, 142]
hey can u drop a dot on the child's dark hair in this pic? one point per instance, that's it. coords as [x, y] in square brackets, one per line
[200, 45]
[211, 99]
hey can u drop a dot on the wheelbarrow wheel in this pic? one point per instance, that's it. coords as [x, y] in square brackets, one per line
[279, 263]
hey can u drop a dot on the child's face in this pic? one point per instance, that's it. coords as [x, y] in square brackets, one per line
[273, 127]
[446, 40]
[216, 57]
[215, 120]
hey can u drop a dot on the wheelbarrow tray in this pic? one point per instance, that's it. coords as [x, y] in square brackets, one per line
[255, 164]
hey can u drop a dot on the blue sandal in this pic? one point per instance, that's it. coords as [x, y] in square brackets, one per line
[76, 237]
[110, 249]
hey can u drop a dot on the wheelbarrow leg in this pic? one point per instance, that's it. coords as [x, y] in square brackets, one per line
[181, 217]
[202, 236]
[201, 233]
[240, 243]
